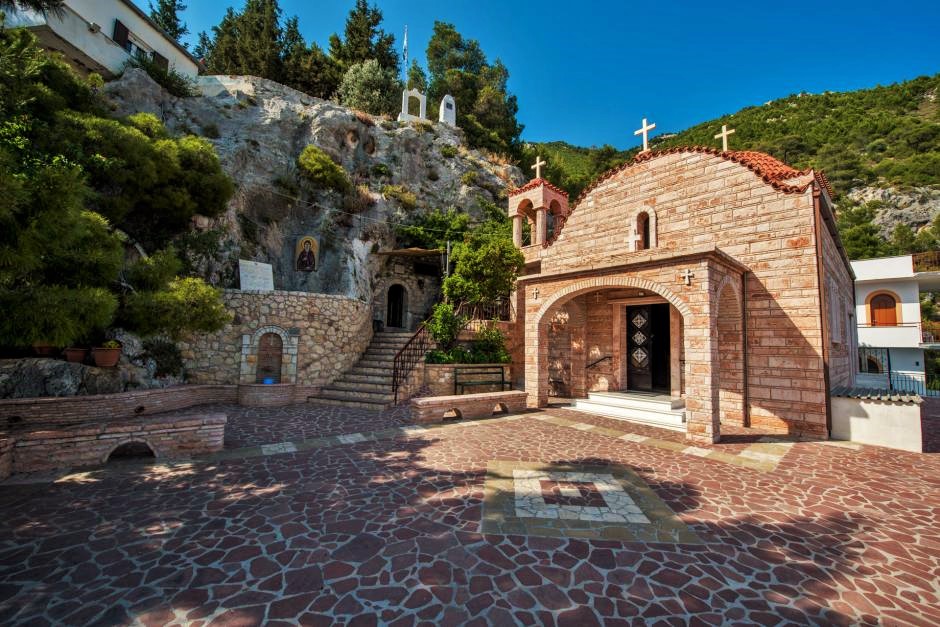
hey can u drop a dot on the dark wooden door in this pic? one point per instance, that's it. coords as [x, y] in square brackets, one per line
[639, 349]
[396, 306]
[269, 358]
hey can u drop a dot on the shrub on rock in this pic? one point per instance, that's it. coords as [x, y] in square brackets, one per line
[318, 168]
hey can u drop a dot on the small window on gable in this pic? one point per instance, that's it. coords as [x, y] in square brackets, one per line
[643, 231]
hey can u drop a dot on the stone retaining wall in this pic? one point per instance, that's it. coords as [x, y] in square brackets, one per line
[6, 457]
[323, 336]
[92, 443]
[260, 395]
[439, 378]
[22, 412]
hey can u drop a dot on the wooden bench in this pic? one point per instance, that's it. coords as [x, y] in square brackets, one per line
[482, 405]
[491, 372]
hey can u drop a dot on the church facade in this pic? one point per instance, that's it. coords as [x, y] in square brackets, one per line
[713, 278]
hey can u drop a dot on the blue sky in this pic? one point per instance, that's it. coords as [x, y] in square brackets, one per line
[587, 72]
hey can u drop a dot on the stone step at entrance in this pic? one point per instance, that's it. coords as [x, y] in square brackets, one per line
[657, 410]
[368, 384]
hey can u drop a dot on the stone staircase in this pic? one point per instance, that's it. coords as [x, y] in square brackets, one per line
[657, 410]
[368, 384]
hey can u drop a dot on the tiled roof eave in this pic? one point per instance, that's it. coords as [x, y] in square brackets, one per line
[535, 183]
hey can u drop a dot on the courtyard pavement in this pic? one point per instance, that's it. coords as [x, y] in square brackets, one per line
[321, 515]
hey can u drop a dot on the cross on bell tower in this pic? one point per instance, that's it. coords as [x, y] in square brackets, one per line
[538, 167]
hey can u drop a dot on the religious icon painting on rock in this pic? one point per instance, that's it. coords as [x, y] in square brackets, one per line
[306, 254]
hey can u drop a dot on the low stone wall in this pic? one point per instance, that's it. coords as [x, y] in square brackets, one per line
[323, 335]
[261, 395]
[433, 408]
[90, 444]
[439, 378]
[6, 457]
[21, 413]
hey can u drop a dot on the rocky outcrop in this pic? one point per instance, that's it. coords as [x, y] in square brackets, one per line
[32, 377]
[916, 207]
[259, 128]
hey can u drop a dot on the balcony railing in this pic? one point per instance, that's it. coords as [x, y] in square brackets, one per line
[927, 262]
[931, 332]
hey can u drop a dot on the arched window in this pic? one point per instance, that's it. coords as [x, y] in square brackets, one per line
[549, 226]
[643, 231]
[270, 351]
[884, 310]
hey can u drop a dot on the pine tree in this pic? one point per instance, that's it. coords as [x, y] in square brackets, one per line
[417, 79]
[166, 17]
[364, 40]
[485, 110]
[308, 69]
[250, 42]
[42, 6]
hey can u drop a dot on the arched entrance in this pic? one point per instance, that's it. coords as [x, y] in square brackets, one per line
[613, 337]
[270, 357]
[395, 308]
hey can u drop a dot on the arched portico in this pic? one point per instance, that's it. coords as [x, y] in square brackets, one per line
[652, 329]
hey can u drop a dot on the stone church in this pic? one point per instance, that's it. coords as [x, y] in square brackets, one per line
[690, 288]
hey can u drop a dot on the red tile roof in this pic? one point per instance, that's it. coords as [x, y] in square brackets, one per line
[771, 170]
[535, 183]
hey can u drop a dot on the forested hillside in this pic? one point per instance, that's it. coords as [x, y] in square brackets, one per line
[879, 147]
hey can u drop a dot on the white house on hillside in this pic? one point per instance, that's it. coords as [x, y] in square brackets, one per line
[102, 35]
[891, 337]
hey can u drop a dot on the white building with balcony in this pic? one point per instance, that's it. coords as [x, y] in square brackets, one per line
[891, 336]
[102, 35]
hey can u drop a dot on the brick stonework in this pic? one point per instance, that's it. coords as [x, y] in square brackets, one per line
[327, 334]
[482, 405]
[20, 413]
[6, 457]
[91, 443]
[260, 395]
[721, 221]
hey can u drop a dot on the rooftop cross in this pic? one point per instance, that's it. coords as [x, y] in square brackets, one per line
[644, 131]
[538, 167]
[724, 136]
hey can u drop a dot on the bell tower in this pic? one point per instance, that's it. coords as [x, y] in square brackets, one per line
[542, 205]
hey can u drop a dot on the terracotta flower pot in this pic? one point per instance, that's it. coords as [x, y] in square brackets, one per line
[44, 350]
[75, 355]
[106, 357]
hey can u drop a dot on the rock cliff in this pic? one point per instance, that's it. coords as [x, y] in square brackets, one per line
[259, 128]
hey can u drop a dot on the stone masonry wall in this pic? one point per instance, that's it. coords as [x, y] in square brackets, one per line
[332, 332]
[839, 307]
[92, 443]
[700, 199]
[25, 412]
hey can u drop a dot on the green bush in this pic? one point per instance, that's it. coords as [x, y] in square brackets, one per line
[405, 198]
[167, 356]
[469, 178]
[486, 265]
[321, 170]
[380, 169]
[448, 151]
[371, 88]
[187, 305]
[445, 325]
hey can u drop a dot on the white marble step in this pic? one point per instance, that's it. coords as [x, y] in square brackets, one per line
[662, 416]
[638, 400]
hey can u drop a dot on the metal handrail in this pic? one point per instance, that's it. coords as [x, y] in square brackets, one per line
[594, 363]
[408, 357]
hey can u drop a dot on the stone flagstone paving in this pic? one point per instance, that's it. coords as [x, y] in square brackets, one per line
[389, 528]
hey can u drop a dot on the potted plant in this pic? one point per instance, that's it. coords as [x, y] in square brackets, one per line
[75, 354]
[107, 355]
[44, 349]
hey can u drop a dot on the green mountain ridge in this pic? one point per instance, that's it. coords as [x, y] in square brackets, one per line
[884, 137]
